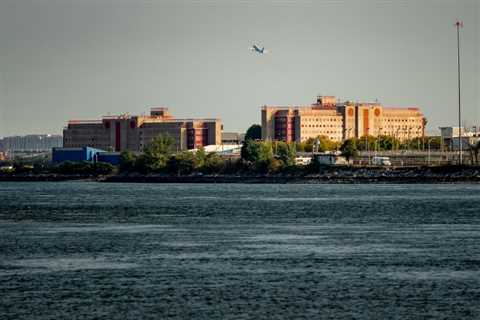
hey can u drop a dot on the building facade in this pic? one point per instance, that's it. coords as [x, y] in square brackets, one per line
[339, 121]
[134, 133]
[232, 138]
[30, 143]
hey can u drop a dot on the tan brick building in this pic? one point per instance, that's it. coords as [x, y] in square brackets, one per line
[125, 132]
[340, 121]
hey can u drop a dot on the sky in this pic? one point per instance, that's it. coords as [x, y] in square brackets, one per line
[65, 59]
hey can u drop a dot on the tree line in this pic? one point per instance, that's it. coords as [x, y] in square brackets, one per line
[256, 156]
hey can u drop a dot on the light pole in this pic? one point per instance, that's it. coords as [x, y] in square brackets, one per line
[366, 147]
[429, 140]
[458, 25]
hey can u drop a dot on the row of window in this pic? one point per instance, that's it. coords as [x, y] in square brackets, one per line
[319, 126]
[400, 120]
[321, 119]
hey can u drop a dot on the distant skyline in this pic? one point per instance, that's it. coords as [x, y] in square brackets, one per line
[62, 60]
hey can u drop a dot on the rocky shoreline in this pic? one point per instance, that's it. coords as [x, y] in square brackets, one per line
[443, 174]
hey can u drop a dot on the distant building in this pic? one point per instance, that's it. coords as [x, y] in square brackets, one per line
[232, 138]
[125, 132]
[74, 154]
[30, 143]
[88, 154]
[451, 137]
[339, 121]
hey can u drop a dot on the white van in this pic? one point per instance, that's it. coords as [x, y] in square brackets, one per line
[381, 161]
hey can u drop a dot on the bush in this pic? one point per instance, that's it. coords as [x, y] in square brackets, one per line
[83, 168]
[102, 168]
[213, 164]
[127, 161]
[182, 163]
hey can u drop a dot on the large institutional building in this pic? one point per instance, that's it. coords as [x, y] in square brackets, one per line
[125, 132]
[340, 121]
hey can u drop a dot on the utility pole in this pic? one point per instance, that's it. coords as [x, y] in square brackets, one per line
[458, 25]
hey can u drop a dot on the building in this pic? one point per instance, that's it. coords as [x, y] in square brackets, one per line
[87, 154]
[30, 143]
[125, 132]
[232, 138]
[339, 121]
[74, 154]
[451, 137]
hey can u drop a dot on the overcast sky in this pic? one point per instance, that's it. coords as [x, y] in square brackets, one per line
[65, 59]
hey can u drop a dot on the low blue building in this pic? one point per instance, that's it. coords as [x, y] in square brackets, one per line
[75, 154]
[85, 154]
[109, 157]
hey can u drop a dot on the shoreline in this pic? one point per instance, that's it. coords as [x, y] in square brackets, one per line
[340, 175]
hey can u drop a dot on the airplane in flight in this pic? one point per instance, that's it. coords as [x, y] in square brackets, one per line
[258, 50]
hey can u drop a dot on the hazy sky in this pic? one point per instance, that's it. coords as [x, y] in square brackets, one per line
[65, 59]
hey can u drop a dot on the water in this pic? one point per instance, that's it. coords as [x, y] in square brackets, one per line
[81, 250]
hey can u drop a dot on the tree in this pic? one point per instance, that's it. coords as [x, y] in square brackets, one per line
[254, 132]
[127, 161]
[286, 153]
[201, 157]
[157, 153]
[349, 149]
[386, 143]
[255, 151]
[324, 144]
[366, 143]
[213, 163]
[182, 163]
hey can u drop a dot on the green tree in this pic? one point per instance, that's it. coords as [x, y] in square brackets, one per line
[201, 157]
[255, 151]
[300, 146]
[127, 161]
[183, 162]
[366, 143]
[213, 163]
[286, 153]
[386, 143]
[157, 153]
[254, 132]
[349, 149]
[324, 144]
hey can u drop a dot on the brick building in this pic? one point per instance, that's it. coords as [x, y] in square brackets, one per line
[125, 132]
[340, 121]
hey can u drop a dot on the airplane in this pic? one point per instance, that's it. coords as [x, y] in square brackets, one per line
[256, 49]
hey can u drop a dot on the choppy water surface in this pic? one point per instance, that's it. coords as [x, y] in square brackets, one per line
[82, 250]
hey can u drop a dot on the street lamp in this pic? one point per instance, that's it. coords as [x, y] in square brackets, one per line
[458, 25]
[366, 146]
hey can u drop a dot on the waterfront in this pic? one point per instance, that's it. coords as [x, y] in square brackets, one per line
[91, 250]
